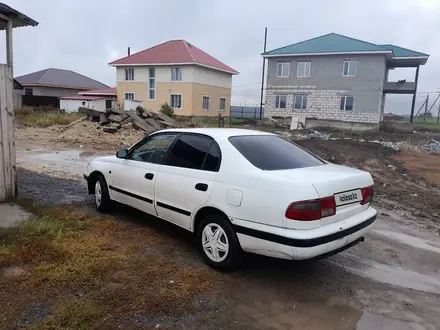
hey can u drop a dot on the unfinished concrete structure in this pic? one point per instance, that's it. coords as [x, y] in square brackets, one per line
[336, 80]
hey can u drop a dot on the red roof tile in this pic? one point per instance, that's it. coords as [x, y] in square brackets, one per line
[105, 91]
[174, 52]
[84, 97]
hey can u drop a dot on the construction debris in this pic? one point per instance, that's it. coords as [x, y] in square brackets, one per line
[277, 123]
[114, 120]
[432, 146]
[109, 129]
[73, 123]
[319, 135]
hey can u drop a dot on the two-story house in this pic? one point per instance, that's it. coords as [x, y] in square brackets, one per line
[178, 73]
[336, 80]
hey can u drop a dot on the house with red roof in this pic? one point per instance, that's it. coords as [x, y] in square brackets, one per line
[178, 73]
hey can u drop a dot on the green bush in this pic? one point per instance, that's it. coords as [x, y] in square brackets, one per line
[166, 109]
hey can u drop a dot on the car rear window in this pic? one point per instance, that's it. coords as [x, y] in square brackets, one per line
[271, 152]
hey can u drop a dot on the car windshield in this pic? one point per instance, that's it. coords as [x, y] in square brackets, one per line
[271, 152]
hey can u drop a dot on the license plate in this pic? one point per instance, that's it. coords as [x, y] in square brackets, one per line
[348, 197]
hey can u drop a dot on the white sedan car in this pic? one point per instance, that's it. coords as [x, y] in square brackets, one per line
[239, 190]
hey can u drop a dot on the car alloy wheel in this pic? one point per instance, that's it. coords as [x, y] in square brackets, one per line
[215, 242]
[98, 193]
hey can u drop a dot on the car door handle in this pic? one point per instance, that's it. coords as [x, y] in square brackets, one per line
[149, 176]
[201, 186]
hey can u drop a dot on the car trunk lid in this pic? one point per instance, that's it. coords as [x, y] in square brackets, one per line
[342, 182]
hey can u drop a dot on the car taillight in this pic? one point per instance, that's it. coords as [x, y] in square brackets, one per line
[367, 195]
[312, 209]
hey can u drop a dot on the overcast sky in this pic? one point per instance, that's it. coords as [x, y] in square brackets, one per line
[84, 35]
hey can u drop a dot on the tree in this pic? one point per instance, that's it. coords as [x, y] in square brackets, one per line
[166, 109]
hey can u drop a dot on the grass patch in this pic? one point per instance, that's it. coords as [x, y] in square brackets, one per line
[93, 271]
[31, 117]
[428, 121]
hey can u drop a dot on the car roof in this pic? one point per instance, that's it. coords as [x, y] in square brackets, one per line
[218, 132]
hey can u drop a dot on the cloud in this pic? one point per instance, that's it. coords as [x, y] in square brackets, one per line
[85, 35]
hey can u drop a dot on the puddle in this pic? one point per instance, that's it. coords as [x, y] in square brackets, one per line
[12, 215]
[371, 321]
[311, 315]
[11, 272]
[411, 240]
[317, 314]
[62, 160]
[390, 274]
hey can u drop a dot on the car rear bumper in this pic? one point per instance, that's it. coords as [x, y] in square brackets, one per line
[303, 244]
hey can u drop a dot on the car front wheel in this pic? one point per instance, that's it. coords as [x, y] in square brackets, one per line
[218, 243]
[102, 197]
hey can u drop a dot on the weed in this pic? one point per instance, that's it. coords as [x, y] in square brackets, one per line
[92, 271]
[75, 314]
[43, 118]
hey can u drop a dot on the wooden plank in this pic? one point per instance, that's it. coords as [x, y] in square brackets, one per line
[165, 123]
[109, 129]
[140, 122]
[7, 142]
[10, 104]
[9, 53]
[103, 119]
[126, 120]
[116, 118]
[153, 123]
[116, 111]
[166, 118]
[62, 129]
[3, 134]
[91, 112]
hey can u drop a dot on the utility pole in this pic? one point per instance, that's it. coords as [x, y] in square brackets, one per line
[262, 75]
[438, 112]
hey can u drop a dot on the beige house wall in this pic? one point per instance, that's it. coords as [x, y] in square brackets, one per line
[214, 93]
[192, 96]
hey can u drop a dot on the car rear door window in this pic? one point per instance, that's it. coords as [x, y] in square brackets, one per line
[190, 151]
[271, 152]
[212, 161]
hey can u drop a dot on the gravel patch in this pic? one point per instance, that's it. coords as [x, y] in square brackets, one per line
[45, 189]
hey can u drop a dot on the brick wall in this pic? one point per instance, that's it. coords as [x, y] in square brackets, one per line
[321, 104]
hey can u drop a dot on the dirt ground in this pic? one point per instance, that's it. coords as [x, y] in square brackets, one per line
[390, 281]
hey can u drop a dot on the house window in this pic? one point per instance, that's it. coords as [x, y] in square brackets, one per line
[129, 74]
[129, 96]
[347, 103]
[280, 101]
[205, 103]
[303, 69]
[152, 84]
[176, 101]
[84, 103]
[28, 91]
[300, 102]
[283, 69]
[176, 74]
[223, 104]
[350, 69]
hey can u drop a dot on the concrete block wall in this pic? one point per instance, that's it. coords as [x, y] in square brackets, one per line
[321, 104]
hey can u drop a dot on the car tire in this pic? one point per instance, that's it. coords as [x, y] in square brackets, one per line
[102, 196]
[218, 243]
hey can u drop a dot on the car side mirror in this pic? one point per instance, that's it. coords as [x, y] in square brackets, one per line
[123, 153]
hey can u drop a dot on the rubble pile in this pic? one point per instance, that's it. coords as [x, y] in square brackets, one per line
[113, 120]
[432, 146]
